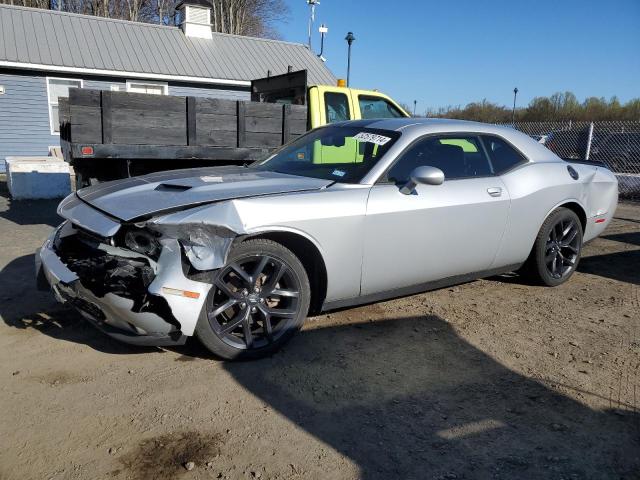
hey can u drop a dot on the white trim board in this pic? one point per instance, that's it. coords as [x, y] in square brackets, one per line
[116, 73]
[164, 85]
[49, 104]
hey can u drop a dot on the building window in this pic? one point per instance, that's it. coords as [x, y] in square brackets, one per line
[56, 88]
[154, 88]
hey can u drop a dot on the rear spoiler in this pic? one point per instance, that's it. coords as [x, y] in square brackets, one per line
[595, 163]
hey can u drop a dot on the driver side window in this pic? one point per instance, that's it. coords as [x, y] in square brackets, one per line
[336, 107]
[458, 156]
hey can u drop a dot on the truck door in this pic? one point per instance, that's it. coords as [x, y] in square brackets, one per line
[369, 104]
[336, 105]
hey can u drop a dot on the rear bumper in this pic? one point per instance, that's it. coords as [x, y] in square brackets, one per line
[146, 318]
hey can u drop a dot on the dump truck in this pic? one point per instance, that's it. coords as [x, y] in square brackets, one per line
[107, 135]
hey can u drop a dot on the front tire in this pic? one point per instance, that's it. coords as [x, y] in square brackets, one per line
[557, 249]
[258, 301]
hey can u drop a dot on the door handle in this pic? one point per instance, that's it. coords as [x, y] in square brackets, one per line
[494, 191]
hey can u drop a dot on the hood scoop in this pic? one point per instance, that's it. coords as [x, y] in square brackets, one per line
[170, 187]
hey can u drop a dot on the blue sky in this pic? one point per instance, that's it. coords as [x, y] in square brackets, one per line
[456, 51]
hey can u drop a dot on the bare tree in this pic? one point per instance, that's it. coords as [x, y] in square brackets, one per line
[258, 18]
[165, 11]
[560, 106]
[248, 17]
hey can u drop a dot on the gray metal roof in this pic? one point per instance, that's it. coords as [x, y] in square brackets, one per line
[66, 41]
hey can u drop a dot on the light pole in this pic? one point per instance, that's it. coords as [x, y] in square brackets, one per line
[513, 112]
[350, 39]
[312, 16]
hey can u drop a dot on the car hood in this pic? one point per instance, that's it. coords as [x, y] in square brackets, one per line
[157, 193]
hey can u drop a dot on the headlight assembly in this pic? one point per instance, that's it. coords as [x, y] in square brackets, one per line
[142, 241]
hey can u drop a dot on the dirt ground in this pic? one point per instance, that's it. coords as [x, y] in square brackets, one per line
[491, 379]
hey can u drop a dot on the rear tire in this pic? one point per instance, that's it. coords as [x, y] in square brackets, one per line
[557, 249]
[258, 301]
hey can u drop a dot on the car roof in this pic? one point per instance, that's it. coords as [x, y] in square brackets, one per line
[416, 127]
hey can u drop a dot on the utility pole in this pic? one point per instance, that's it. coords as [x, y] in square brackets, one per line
[323, 31]
[513, 112]
[350, 39]
[312, 16]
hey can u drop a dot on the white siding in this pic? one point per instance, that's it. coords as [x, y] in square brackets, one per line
[196, 91]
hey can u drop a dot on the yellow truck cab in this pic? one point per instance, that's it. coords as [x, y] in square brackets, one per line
[325, 103]
[336, 104]
[328, 104]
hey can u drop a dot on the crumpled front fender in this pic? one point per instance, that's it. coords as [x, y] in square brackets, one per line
[170, 281]
[206, 233]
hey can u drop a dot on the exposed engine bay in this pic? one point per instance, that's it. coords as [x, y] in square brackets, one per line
[136, 285]
[102, 269]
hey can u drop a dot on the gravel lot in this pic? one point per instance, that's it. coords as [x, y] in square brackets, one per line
[491, 379]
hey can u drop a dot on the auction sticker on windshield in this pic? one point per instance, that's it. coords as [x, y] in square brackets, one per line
[372, 138]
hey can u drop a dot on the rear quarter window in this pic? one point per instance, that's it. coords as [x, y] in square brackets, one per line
[503, 156]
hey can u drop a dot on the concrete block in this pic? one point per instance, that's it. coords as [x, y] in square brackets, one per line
[30, 178]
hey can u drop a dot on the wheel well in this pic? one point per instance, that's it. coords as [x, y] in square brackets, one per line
[311, 259]
[578, 210]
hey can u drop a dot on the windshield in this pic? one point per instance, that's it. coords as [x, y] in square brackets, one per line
[342, 154]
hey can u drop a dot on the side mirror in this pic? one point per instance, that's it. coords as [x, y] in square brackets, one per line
[423, 175]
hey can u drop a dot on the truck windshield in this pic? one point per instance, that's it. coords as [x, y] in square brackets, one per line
[340, 153]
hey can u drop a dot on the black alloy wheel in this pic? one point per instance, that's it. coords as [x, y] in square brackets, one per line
[258, 300]
[563, 247]
[556, 250]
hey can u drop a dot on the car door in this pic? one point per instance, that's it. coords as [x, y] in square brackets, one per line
[336, 104]
[438, 231]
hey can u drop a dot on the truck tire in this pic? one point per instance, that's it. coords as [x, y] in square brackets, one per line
[83, 180]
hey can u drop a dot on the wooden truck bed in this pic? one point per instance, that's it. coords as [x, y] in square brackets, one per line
[104, 132]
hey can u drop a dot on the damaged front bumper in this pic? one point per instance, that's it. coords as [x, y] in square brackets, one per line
[127, 295]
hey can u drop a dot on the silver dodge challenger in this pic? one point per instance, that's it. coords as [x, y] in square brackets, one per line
[350, 213]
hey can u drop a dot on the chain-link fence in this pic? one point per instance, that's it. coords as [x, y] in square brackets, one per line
[616, 144]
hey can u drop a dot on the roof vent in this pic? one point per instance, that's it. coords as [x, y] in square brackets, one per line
[195, 18]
